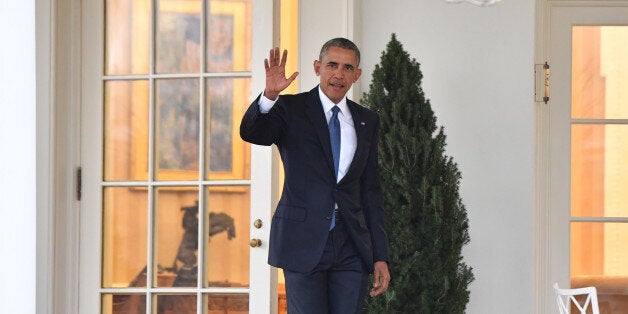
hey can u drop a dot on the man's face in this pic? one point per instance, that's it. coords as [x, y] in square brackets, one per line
[338, 71]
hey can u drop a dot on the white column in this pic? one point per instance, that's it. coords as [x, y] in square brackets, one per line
[17, 160]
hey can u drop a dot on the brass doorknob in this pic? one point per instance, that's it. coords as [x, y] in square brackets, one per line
[255, 243]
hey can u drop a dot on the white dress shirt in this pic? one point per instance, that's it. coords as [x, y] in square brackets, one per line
[348, 138]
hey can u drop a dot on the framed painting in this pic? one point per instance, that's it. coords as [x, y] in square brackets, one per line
[185, 90]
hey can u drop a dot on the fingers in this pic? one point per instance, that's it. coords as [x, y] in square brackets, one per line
[271, 57]
[381, 279]
[276, 55]
[380, 285]
[274, 59]
[275, 66]
[283, 57]
[293, 76]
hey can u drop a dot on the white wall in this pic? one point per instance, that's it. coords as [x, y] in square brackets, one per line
[17, 160]
[477, 65]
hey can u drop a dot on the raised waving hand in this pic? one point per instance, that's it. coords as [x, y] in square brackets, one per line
[276, 80]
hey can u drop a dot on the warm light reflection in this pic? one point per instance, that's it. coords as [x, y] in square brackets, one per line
[127, 36]
[125, 226]
[599, 163]
[227, 236]
[125, 130]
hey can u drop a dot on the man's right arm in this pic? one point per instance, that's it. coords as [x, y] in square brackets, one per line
[258, 125]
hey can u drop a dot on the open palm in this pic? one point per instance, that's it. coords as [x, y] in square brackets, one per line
[276, 80]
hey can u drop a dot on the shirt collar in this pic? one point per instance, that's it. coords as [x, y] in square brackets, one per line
[328, 104]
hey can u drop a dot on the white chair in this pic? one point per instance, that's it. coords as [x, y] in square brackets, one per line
[564, 297]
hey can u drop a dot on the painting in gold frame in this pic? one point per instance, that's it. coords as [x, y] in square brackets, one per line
[227, 157]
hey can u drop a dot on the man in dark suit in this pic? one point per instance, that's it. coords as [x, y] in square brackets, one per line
[327, 232]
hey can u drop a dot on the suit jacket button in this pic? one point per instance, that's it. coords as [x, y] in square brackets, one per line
[328, 217]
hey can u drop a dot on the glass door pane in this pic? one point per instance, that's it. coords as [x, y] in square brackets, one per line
[175, 175]
[125, 218]
[227, 237]
[177, 131]
[127, 28]
[599, 163]
[126, 119]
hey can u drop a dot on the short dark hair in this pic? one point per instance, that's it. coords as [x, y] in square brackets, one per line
[341, 43]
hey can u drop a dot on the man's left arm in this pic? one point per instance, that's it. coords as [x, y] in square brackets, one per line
[372, 201]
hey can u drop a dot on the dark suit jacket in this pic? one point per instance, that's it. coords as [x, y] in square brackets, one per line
[297, 125]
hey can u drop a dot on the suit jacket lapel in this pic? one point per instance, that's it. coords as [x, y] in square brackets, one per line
[314, 111]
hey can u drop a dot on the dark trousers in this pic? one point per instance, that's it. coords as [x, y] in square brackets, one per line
[337, 285]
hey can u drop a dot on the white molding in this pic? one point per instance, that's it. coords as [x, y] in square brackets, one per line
[585, 3]
[66, 120]
[58, 87]
[263, 178]
[354, 32]
[480, 3]
[44, 23]
[90, 36]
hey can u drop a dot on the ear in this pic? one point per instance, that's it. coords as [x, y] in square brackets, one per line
[317, 67]
[358, 72]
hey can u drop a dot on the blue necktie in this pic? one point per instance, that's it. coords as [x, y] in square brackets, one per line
[334, 136]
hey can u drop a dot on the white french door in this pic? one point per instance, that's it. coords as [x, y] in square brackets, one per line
[588, 149]
[171, 193]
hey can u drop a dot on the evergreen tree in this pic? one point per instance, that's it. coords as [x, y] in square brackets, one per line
[426, 220]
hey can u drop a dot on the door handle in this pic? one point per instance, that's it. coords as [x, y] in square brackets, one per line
[255, 243]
